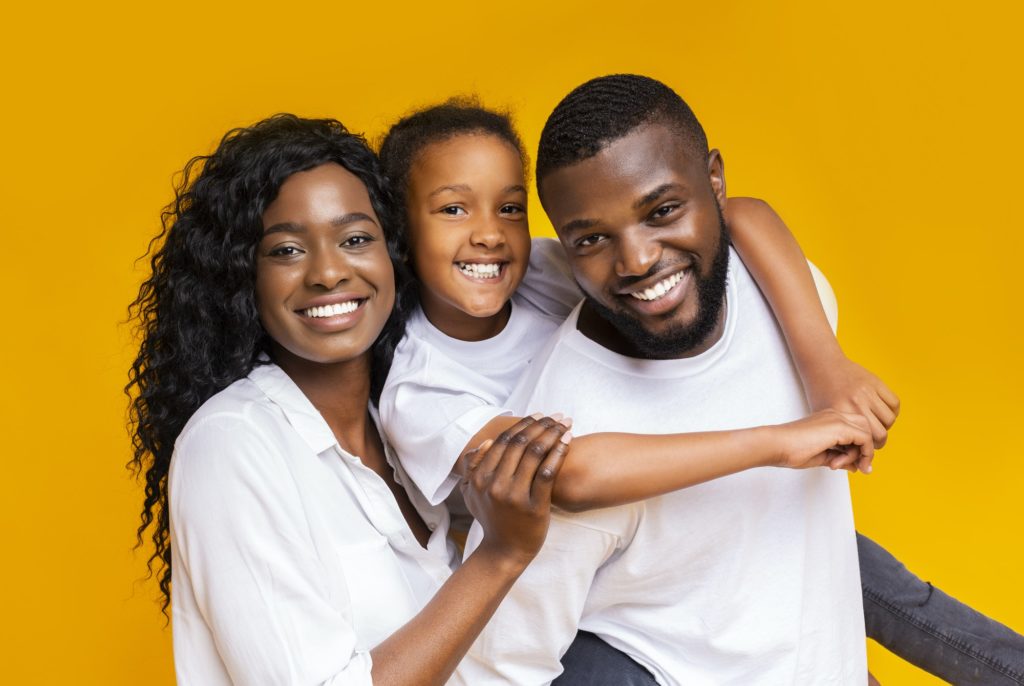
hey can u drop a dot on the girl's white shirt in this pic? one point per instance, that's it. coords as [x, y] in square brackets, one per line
[291, 558]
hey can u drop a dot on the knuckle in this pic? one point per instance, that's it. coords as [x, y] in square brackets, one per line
[537, 449]
[519, 439]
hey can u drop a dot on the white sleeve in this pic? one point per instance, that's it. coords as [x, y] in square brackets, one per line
[549, 284]
[524, 642]
[247, 567]
[429, 419]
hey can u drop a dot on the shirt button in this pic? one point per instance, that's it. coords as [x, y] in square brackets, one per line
[431, 526]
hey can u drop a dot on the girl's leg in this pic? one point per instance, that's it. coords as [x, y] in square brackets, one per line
[932, 630]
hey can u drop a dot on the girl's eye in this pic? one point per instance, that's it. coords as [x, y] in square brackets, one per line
[453, 210]
[512, 208]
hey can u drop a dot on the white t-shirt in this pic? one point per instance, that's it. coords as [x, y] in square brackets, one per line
[441, 391]
[748, 579]
[291, 558]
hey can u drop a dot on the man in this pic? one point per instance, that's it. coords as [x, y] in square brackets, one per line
[750, 579]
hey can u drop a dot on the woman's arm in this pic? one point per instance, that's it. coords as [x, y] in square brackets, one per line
[594, 475]
[776, 262]
[507, 487]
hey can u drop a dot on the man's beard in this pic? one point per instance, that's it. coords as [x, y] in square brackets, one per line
[680, 339]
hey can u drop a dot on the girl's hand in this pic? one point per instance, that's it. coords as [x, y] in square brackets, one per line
[838, 440]
[848, 387]
[508, 485]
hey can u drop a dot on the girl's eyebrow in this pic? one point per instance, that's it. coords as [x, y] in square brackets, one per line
[517, 188]
[456, 188]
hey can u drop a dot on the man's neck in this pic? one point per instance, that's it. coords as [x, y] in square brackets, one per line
[598, 329]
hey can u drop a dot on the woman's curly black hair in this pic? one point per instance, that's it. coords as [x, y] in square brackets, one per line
[413, 132]
[196, 314]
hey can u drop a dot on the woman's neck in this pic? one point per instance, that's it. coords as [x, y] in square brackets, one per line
[339, 391]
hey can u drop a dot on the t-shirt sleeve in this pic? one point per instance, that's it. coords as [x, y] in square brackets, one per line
[429, 417]
[549, 285]
[238, 534]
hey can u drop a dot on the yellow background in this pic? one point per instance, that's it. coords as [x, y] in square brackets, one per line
[888, 137]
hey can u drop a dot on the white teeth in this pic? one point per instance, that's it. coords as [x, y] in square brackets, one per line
[332, 310]
[480, 271]
[659, 289]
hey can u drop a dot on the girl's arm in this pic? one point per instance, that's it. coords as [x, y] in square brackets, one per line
[596, 474]
[508, 488]
[776, 262]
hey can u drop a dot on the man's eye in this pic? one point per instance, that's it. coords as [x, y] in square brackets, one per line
[664, 211]
[453, 210]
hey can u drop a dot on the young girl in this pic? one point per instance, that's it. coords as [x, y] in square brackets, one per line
[487, 305]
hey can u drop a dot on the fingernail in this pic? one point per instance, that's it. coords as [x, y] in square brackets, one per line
[566, 437]
[536, 415]
[869, 469]
[557, 416]
[566, 422]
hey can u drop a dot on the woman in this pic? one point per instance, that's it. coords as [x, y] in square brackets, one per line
[268, 324]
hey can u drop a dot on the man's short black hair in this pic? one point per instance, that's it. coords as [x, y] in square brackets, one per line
[607, 108]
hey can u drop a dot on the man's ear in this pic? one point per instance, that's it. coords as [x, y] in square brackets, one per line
[716, 174]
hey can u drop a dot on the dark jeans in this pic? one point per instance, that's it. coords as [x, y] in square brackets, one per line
[592, 662]
[932, 630]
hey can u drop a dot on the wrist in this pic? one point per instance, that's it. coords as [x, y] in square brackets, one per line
[500, 560]
[771, 446]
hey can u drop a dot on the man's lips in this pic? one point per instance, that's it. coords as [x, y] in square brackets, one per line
[659, 296]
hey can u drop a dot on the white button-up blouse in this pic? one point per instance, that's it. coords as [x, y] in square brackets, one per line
[291, 559]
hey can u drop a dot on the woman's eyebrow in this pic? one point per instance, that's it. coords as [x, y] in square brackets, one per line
[284, 227]
[351, 218]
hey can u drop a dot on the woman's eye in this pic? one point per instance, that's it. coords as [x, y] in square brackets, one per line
[284, 251]
[453, 210]
[353, 241]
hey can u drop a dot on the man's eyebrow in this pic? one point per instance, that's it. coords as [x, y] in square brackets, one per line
[657, 193]
[577, 225]
[456, 188]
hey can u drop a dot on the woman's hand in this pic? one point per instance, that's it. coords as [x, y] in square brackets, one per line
[508, 485]
[839, 440]
[848, 387]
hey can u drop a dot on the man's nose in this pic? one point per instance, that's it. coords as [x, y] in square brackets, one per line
[328, 268]
[637, 253]
[488, 233]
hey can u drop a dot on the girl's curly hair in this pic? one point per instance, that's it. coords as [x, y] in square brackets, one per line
[196, 314]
